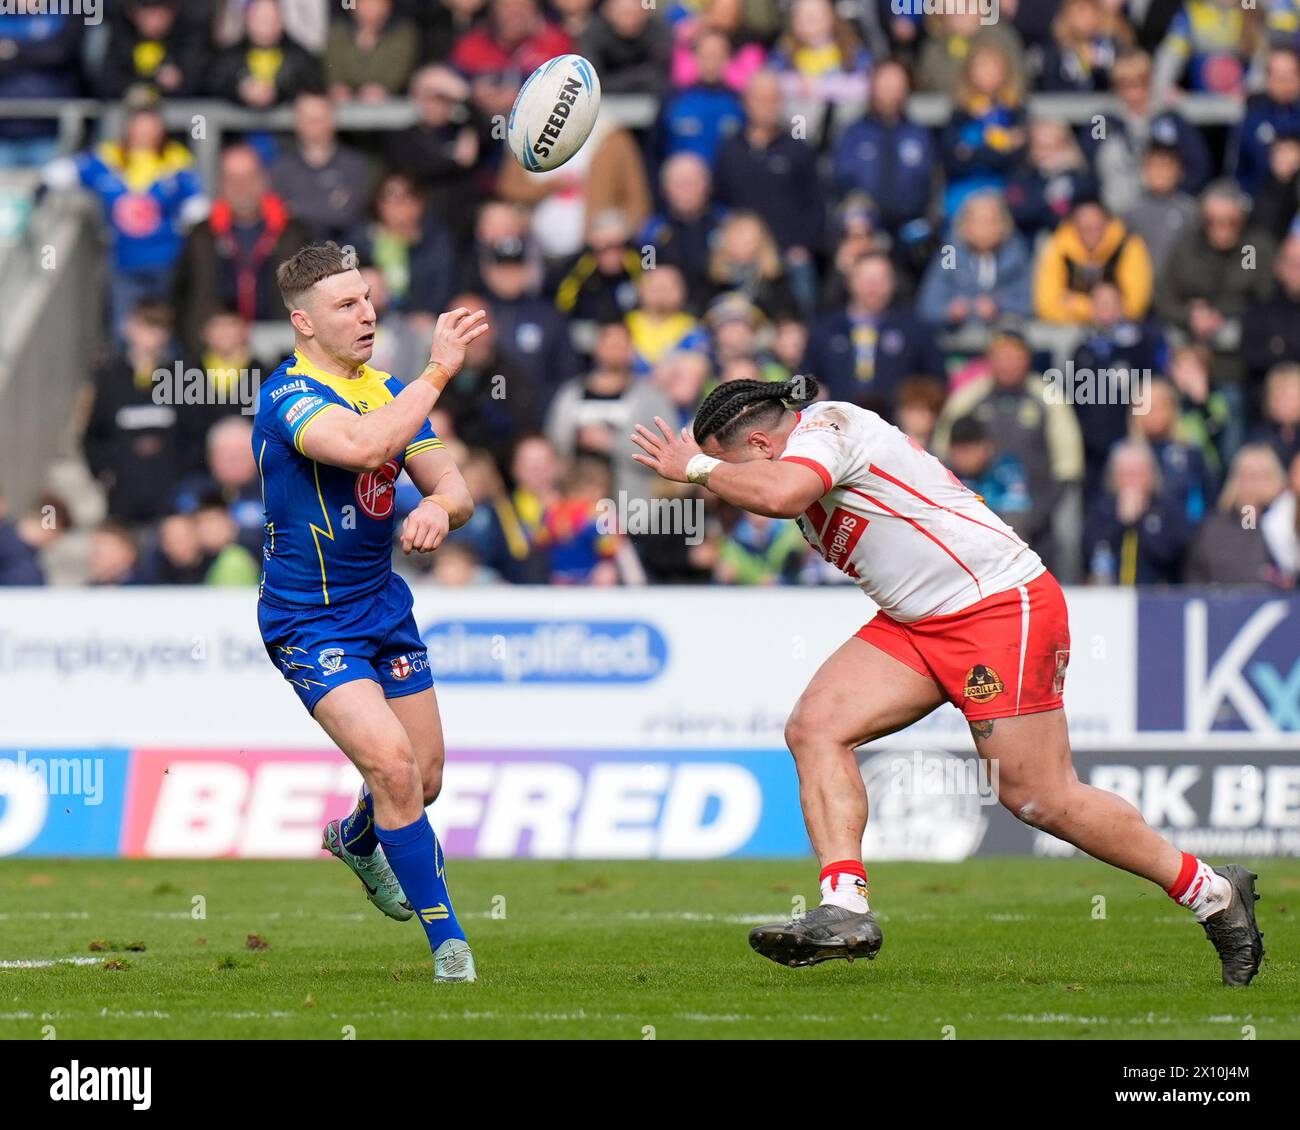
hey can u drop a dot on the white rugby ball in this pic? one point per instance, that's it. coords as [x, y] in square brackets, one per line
[553, 113]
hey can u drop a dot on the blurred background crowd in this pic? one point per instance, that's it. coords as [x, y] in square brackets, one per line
[781, 208]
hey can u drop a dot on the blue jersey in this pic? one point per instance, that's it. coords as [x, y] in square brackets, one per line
[329, 531]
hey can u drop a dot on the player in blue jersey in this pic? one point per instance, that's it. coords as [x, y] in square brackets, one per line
[330, 437]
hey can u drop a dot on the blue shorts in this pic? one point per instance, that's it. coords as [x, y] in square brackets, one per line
[374, 637]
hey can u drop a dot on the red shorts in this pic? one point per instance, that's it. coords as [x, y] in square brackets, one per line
[1001, 657]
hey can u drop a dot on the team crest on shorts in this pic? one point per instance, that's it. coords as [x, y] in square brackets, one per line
[400, 668]
[983, 684]
[331, 661]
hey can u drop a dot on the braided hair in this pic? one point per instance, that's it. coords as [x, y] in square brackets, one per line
[735, 405]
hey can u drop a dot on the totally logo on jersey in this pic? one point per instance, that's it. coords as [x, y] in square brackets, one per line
[983, 684]
[331, 661]
[375, 490]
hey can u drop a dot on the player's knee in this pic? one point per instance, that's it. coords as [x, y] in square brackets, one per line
[394, 773]
[1037, 808]
[432, 783]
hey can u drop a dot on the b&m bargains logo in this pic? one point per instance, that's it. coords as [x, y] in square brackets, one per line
[546, 651]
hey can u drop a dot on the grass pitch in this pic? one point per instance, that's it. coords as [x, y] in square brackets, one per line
[984, 949]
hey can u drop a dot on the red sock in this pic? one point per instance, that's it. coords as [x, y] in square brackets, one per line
[851, 867]
[1186, 873]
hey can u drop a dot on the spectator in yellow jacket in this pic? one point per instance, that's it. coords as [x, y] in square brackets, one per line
[1091, 246]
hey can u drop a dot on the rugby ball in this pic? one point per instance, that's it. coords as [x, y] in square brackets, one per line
[553, 113]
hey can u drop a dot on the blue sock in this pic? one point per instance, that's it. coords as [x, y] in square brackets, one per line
[358, 830]
[415, 856]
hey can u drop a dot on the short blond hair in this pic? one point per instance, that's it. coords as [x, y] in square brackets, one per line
[303, 270]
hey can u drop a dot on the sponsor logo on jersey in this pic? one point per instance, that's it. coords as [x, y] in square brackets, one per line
[331, 661]
[841, 537]
[299, 410]
[983, 684]
[284, 390]
[375, 490]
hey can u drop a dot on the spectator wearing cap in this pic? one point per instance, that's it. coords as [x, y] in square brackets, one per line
[1133, 534]
[698, 118]
[857, 230]
[500, 52]
[602, 283]
[682, 232]
[1117, 351]
[23, 542]
[441, 150]
[40, 57]
[737, 327]
[763, 169]
[607, 173]
[230, 259]
[1023, 418]
[137, 448]
[325, 184]
[405, 240]
[745, 259]
[1138, 122]
[1089, 247]
[863, 350]
[984, 274]
[1163, 213]
[150, 196]
[1053, 178]
[593, 415]
[370, 53]
[267, 67]
[1270, 114]
[528, 325]
[1270, 329]
[661, 324]
[1228, 548]
[1215, 273]
[151, 43]
[890, 159]
[630, 46]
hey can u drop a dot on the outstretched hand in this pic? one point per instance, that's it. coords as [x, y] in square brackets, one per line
[452, 335]
[667, 453]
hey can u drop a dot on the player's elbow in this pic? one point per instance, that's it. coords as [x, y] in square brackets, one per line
[370, 455]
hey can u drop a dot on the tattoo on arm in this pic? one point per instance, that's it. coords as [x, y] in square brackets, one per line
[982, 729]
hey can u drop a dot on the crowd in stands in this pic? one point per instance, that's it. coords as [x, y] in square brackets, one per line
[782, 212]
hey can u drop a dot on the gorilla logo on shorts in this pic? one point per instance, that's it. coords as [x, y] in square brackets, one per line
[983, 684]
[375, 490]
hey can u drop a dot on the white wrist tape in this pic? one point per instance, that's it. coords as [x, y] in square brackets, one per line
[699, 468]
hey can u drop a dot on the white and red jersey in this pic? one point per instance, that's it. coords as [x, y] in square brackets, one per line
[896, 520]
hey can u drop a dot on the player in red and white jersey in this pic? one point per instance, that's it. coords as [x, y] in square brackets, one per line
[968, 614]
